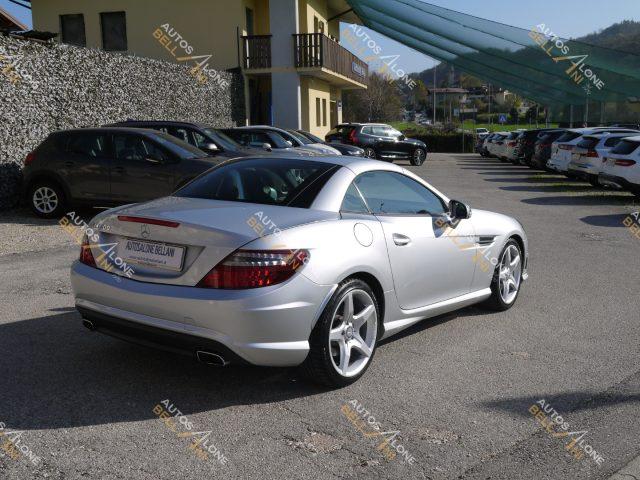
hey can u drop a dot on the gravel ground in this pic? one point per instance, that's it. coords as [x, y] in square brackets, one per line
[458, 387]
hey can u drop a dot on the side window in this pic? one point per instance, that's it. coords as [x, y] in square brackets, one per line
[89, 144]
[612, 142]
[200, 139]
[367, 130]
[180, 133]
[391, 193]
[353, 201]
[136, 148]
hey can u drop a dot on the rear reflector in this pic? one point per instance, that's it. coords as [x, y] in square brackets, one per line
[148, 221]
[625, 163]
[86, 256]
[30, 158]
[254, 269]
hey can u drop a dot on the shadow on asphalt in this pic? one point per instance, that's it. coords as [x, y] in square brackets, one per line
[581, 200]
[24, 216]
[564, 402]
[57, 374]
[605, 220]
[575, 188]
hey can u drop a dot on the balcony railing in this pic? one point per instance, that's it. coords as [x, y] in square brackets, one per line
[318, 50]
[256, 51]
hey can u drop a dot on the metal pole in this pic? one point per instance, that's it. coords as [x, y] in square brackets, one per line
[434, 94]
[570, 116]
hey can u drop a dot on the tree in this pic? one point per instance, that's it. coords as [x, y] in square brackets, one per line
[381, 102]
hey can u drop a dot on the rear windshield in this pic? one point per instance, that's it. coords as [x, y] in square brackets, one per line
[625, 147]
[588, 142]
[301, 138]
[265, 181]
[341, 130]
[568, 136]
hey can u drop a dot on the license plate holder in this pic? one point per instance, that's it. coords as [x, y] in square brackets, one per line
[152, 254]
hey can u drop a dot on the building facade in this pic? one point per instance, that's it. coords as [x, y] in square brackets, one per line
[295, 70]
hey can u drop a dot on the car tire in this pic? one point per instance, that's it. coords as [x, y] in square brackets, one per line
[337, 332]
[593, 180]
[501, 300]
[369, 152]
[418, 157]
[47, 199]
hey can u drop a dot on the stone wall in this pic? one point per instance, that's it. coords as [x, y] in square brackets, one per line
[48, 87]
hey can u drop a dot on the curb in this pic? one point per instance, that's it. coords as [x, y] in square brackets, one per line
[630, 471]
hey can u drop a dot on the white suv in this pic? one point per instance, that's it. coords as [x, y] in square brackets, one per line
[622, 166]
[587, 158]
[561, 149]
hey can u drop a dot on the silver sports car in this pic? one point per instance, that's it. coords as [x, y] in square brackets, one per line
[293, 261]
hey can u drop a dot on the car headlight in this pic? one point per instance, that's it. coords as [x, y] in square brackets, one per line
[356, 153]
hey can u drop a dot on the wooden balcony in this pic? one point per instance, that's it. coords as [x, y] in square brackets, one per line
[256, 51]
[315, 54]
[317, 51]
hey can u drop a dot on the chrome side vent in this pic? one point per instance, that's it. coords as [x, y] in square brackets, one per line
[486, 240]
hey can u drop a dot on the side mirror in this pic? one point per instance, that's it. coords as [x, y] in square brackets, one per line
[402, 137]
[210, 147]
[459, 210]
[264, 146]
[289, 143]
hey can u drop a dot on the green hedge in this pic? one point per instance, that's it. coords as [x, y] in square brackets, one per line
[444, 142]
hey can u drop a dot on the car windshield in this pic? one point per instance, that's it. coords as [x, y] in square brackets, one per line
[625, 147]
[311, 137]
[301, 138]
[182, 149]
[224, 140]
[262, 181]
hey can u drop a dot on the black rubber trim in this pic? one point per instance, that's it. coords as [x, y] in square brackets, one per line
[159, 338]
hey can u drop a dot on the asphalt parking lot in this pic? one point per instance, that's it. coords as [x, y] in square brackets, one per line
[458, 388]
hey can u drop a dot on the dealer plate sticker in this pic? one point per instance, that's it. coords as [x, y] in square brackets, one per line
[151, 253]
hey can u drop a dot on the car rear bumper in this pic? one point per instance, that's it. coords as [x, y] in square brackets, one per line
[267, 326]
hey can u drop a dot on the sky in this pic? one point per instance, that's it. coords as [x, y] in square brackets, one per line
[567, 18]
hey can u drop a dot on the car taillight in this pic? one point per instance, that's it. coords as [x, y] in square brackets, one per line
[591, 153]
[352, 136]
[86, 256]
[511, 144]
[254, 269]
[565, 147]
[545, 145]
[30, 158]
[625, 163]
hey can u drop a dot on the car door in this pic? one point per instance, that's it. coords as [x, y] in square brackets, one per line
[141, 169]
[431, 261]
[386, 145]
[85, 165]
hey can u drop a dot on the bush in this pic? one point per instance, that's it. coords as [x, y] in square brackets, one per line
[10, 184]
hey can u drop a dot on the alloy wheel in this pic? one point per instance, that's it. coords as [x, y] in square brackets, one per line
[369, 152]
[45, 200]
[353, 333]
[418, 156]
[510, 274]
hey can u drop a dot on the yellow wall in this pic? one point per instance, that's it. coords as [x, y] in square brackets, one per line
[311, 89]
[210, 27]
[309, 9]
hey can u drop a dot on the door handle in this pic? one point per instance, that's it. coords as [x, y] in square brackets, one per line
[69, 164]
[401, 240]
[118, 169]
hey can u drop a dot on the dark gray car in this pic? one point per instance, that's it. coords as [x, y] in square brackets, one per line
[106, 167]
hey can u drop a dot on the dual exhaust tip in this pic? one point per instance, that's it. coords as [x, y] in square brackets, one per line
[203, 356]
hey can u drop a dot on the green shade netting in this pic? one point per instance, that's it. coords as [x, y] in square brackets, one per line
[534, 63]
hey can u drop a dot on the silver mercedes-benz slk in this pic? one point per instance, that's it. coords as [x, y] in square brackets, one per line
[293, 261]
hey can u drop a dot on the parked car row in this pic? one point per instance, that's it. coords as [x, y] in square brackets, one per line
[602, 156]
[134, 160]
